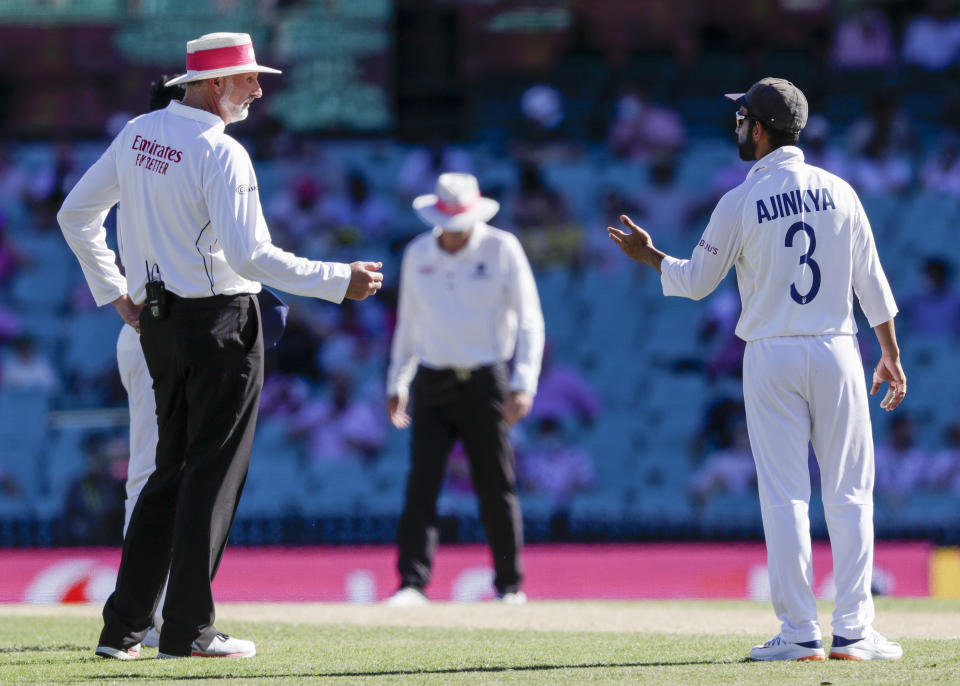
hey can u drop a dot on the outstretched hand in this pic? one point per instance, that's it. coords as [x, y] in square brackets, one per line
[635, 243]
[365, 279]
[890, 370]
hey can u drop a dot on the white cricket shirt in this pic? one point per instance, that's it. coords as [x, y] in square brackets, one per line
[189, 204]
[802, 246]
[466, 309]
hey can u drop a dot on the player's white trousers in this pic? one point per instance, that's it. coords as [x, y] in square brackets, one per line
[138, 383]
[143, 415]
[804, 389]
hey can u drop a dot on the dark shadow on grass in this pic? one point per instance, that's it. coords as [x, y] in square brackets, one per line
[400, 672]
[41, 649]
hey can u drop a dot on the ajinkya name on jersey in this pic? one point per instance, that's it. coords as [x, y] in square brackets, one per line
[151, 155]
[784, 205]
[794, 202]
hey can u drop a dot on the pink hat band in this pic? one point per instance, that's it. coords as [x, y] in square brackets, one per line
[221, 58]
[220, 54]
[453, 208]
[456, 205]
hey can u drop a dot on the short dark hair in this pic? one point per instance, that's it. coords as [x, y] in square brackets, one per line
[779, 138]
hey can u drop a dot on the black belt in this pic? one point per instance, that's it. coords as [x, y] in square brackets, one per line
[207, 299]
[461, 374]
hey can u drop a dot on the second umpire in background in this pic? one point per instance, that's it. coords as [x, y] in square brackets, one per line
[196, 248]
[467, 305]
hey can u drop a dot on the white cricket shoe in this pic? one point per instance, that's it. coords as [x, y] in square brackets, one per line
[408, 596]
[222, 646]
[779, 649]
[131, 653]
[873, 646]
[512, 598]
[152, 639]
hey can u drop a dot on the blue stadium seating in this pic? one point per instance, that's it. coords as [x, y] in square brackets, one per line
[610, 321]
[23, 433]
[91, 342]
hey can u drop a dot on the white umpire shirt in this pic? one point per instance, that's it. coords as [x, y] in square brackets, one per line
[474, 307]
[189, 204]
[802, 246]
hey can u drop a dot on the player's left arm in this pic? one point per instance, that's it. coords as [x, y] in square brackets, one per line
[869, 280]
[889, 370]
[876, 300]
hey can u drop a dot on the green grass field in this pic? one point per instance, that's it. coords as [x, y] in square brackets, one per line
[435, 645]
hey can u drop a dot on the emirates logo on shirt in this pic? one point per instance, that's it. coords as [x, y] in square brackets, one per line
[157, 149]
[154, 156]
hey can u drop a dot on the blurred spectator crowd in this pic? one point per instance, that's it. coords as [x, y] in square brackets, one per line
[638, 428]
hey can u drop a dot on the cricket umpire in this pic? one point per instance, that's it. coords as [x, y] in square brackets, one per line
[802, 247]
[468, 304]
[195, 248]
[136, 380]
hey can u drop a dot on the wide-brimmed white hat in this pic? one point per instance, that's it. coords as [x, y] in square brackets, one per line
[220, 54]
[455, 204]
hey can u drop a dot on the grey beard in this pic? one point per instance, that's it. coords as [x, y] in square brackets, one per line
[236, 112]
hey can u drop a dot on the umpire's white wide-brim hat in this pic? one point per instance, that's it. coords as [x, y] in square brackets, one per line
[220, 54]
[455, 204]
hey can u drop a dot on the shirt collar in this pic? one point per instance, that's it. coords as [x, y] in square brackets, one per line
[478, 232]
[178, 108]
[781, 157]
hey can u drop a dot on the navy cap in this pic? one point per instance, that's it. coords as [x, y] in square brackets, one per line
[776, 102]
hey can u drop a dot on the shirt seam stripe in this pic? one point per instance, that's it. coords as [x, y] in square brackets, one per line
[203, 257]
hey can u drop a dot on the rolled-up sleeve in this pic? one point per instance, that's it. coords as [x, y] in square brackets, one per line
[869, 280]
[233, 200]
[81, 220]
[712, 257]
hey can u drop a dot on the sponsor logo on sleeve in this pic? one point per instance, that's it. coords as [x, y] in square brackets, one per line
[709, 248]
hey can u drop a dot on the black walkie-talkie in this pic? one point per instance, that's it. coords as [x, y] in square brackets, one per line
[156, 294]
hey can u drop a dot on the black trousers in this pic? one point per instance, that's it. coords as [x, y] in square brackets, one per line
[447, 408]
[206, 360]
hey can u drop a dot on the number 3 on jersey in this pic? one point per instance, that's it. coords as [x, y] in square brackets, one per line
[807, 259]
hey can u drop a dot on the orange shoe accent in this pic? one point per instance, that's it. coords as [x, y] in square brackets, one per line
[811, 658]
[844, 656]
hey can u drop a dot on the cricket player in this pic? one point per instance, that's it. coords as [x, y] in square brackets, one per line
[802, 247]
